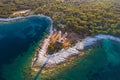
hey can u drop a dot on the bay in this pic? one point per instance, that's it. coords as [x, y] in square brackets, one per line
[18, 40]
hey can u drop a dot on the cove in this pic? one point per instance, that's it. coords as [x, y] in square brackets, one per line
[17, 40]
[19, 37]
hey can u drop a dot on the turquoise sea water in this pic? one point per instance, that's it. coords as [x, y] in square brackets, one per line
[19, 39]
[100, 63]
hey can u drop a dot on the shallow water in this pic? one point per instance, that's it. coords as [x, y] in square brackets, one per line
[100, 63]
[18, 40]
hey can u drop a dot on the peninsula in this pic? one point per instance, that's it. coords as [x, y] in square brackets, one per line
[61, 55]
[75, 26]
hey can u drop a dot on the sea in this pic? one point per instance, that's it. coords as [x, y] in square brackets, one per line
[101, 62]
[20, 38]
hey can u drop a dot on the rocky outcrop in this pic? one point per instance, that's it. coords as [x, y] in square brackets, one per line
[64, 54]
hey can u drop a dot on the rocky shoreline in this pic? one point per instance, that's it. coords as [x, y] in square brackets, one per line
[62, 55]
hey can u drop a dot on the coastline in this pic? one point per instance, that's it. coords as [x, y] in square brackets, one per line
[2, 20]
[52, 71]
[25, 64]
[64, 54]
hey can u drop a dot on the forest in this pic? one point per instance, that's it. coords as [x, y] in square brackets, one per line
[84, 17]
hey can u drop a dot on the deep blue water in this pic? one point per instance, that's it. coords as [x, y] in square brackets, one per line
[16, 38]
[17, 45]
